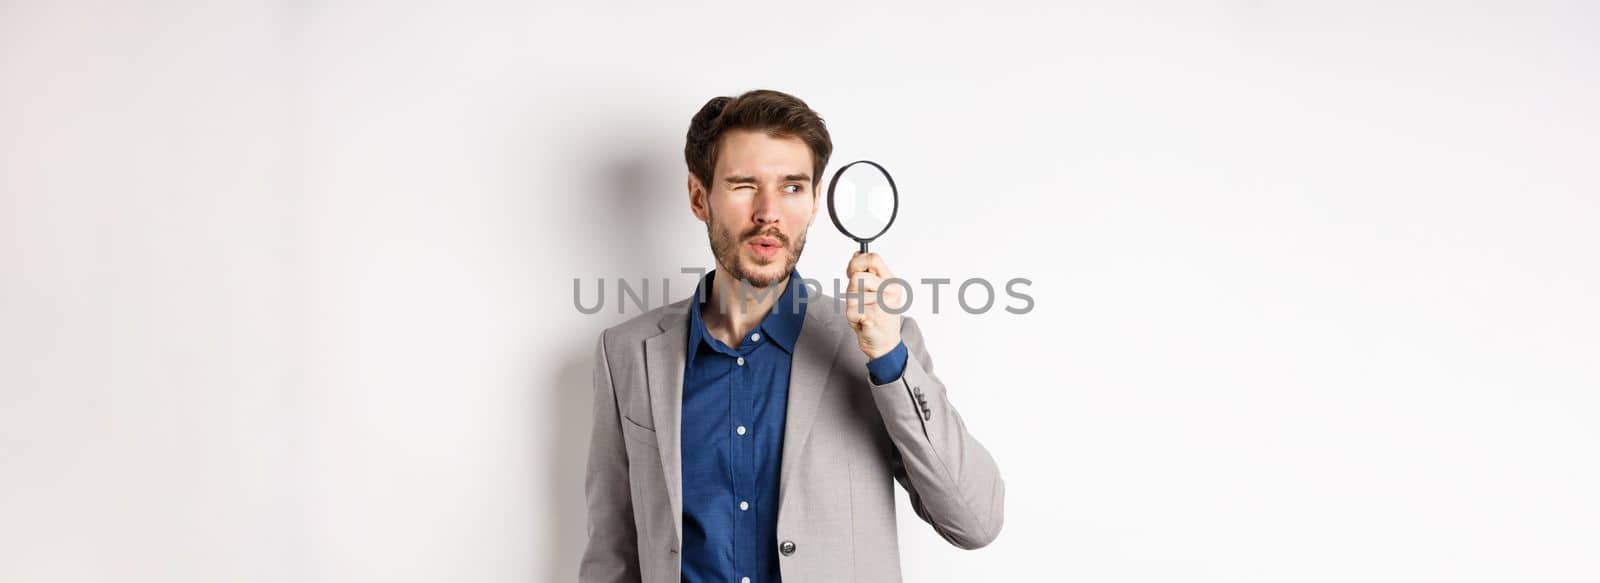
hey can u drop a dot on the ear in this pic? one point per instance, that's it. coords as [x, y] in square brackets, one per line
[699, 199]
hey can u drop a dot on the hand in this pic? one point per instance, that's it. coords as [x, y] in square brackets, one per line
[877, 330]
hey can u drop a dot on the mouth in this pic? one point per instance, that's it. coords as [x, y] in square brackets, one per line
[765, 247]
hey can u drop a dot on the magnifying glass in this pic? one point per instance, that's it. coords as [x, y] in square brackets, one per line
[862, 201]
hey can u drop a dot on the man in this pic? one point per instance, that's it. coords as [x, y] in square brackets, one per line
[752, 433]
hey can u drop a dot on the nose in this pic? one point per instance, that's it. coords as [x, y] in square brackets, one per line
[766, 207]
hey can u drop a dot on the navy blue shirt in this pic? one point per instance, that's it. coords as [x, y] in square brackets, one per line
[734, 404]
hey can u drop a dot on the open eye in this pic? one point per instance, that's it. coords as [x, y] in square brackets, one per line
[796, 187]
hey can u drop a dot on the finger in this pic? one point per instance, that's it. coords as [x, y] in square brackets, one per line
[868, 300]
[864, 262]
[857, 278]
[864, 282]
[865, 299]
[868, 262]
[861, 309]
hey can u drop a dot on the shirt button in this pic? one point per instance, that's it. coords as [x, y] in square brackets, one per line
[740, 361]
[744, 580]
[739, 430]
[755, 337]
[744, 505]
[787, 548]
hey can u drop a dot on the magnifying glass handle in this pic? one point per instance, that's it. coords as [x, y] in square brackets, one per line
[863, 247]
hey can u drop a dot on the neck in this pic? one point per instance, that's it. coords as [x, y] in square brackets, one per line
[735, 308]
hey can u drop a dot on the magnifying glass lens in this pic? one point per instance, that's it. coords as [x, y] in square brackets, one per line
[863, 201]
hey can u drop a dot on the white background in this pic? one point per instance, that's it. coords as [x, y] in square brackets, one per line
[286, 288]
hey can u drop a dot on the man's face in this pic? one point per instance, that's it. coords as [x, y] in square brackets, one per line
[760, 204]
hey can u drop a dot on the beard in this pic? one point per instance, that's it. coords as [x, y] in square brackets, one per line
[726, 247]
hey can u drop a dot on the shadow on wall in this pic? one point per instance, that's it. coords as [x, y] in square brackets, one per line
[643, 195]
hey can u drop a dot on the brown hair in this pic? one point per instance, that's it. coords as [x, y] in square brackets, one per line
[776, 113]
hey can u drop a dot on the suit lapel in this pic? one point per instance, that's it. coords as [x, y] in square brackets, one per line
[808, 375]
[664, 362]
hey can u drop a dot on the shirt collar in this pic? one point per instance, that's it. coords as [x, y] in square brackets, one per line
[781, 325]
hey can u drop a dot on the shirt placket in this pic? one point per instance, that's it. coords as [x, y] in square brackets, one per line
[744, 464]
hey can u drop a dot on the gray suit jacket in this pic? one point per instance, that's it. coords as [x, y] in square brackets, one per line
[846, 440]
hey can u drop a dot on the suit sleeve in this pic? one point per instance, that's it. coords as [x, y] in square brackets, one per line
[612, 554]
[953, 482]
